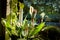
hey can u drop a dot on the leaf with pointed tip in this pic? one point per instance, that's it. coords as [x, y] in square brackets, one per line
[37, 29]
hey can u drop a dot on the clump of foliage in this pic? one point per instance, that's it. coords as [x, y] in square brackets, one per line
[13, 27]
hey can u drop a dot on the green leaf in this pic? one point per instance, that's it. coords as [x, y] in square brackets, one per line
[37, 29]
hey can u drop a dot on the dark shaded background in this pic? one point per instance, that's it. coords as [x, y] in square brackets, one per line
[2, 15]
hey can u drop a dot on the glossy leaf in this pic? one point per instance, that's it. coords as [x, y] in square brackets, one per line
[37, 29]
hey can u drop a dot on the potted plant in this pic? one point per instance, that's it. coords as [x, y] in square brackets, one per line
[15, 30]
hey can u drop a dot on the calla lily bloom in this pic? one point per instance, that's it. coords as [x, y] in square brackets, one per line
[31, 10]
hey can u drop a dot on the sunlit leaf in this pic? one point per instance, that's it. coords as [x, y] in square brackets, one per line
[21, 5]
[37, 29]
